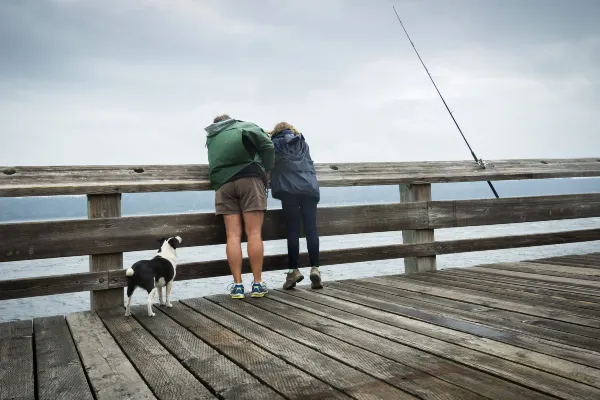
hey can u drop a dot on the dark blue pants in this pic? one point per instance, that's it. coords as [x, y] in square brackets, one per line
[296, 208]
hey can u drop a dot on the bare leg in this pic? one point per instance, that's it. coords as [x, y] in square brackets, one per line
[169, 286]
[253, 221]
[150, 301]
[160, 296]
[233, 229]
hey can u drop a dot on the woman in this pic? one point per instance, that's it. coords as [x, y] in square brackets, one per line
[294, 182]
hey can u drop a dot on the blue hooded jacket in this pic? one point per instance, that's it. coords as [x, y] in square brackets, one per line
[294, 170]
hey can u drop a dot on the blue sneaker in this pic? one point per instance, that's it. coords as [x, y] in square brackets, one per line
[259, 289]
[236, 290]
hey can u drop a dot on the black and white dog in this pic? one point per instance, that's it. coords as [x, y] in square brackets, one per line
[154, 274]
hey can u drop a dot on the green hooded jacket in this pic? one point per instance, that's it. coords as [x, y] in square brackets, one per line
[227, 153]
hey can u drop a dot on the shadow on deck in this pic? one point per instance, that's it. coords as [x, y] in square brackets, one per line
[527, 330]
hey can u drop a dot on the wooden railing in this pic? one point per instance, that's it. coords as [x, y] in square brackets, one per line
[105, 236]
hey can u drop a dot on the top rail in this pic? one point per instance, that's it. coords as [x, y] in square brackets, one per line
[78, 180]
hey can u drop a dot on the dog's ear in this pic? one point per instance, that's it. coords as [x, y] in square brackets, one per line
[174, 243]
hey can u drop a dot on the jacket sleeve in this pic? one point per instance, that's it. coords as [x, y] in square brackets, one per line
[263, 145]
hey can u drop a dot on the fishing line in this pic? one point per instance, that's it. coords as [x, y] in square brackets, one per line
[479, 161]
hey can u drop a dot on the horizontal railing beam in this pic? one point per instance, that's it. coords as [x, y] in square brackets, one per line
[41, 286]
[38, 240]
[73, 180]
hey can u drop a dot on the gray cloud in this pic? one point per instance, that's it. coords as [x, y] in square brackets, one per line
[112, 82]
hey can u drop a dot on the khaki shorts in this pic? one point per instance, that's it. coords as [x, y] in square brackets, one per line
[240, 196]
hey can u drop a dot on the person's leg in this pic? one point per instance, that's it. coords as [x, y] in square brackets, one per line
[227, 204]
[253, 203]
[291, 216]
[308, 209]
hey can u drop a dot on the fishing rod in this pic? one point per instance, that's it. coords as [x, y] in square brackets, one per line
[479, 161]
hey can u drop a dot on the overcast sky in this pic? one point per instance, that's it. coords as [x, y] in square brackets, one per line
[136, 82]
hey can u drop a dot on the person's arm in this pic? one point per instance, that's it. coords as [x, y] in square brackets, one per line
[263, 145]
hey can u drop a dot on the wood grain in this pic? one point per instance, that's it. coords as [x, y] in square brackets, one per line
[67, 180]
[409, 194]
[105, 206]
[59, 371]
[16, 360]
[110, 373]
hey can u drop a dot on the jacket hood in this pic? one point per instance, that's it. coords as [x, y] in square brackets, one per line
[286, 136]
[216, 128]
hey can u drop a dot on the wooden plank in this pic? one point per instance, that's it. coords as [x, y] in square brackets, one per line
[16, 360]
[209, 269]
[282, 377]
[221, 375]
[110, 373]
[356, 384]
[526, 280]
[362, 317]
[53, 284]
[58, 368]
[105, 206]
[67, 180]
[48, 239]
[164, 375]
[492, 339]
[460, 213]
[486, 300]
[572, 338]
[505, 293]
[586, 274]
[417, 193]
[309, 314]
[513, 289]
[397, 374]
[580, 283]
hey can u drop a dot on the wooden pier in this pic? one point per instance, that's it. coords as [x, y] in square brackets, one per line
[524, 330]
[528, 330]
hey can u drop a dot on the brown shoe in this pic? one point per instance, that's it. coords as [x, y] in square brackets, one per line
[292, 278]
[315, 278]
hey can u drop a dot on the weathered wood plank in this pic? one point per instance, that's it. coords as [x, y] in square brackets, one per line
[208, 269]
[166, 377]
[59, 371]
[53, 284]
[409, 194]
[494, 339]
[36, 240]
[344, 378]
[105, 206]
[223, 376]
[283, 377]
[399, 375]
[16, 360]
[110, 373]
[580, 283]
[311, 315]
[487, 300]
[504, 293]
[460, 213]
[354, 315]
[557, 333]
[586, 274]
[59, 180]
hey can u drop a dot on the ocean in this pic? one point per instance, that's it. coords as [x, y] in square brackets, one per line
[29, 209]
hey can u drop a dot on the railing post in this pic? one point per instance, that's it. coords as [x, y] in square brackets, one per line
[105, 206]
[410, 193]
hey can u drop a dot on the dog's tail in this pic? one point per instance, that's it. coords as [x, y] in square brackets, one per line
[129, 272]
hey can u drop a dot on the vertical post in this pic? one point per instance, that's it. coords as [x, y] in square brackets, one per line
[410, 193]
[105, 206]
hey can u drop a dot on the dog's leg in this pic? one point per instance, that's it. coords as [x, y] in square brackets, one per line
[160, 295]
[130, 290]
[150, 301]
[169, 285]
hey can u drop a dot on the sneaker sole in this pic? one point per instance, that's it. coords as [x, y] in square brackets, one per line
[237, 296]
[315, 282]
[258, 295]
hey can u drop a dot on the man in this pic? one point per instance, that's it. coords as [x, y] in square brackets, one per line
[240, 157]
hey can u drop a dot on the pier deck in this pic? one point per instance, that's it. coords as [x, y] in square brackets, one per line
[524, 330]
